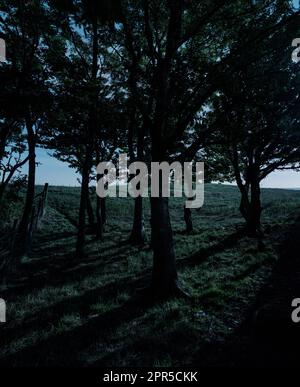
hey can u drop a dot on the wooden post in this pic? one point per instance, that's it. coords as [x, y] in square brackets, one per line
[45, 193]
[36, 218]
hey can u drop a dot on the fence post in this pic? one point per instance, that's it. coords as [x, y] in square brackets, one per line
[39, 213]
[41, 206]
[45, 193]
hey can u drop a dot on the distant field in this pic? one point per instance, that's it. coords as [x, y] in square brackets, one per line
[65, 312]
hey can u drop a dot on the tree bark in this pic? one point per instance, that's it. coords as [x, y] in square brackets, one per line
[99, 224]
[92, 124]
[138, 234]
[90, 212]
[27, 211]
[103, 211]
[251, 209]
[164, 274]
[83, 206]
[100, 206]
[188, 220]
[253, 221]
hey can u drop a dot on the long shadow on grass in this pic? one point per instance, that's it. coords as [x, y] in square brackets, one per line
[268, 337]
[53, 237]
[64, 348]
[81, 303]
[202, 254]
[56, 270]
[43, 261]
[62, 274]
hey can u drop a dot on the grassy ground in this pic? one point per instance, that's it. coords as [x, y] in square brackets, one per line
[65, 312]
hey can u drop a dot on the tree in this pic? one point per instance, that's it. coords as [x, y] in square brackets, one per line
[24, 24]
[179, 72]
[84, 123]
[260, 129]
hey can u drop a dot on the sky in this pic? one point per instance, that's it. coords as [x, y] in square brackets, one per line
[52, 171]
[55, 172]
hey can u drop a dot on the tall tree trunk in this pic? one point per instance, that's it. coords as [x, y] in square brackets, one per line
[164, 275]
[27, 211]
[188, 220]
[103, 211]
[250, 208]
[244, 204]
[138, 234]
[99, 218]
[92, 124]
[99, 224]
[2, 189]
[253, 221]
[83, 206]
[90, 211]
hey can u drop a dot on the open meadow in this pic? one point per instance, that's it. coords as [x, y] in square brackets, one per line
[64, 311]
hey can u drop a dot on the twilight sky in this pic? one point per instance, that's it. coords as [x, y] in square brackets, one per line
[55, 172]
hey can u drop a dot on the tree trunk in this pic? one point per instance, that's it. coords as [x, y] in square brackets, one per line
[250, 209]
[244, 204]
[92, 124]
[100, 205]
[90, 211]
[99, 225]
[83, 206]
[253, 220]
[2, 189]
[25, 220]
[164, 275]
[103, 211]
[188, 220]
[138, 234]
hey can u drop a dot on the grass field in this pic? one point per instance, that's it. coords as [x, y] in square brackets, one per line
[64, 312]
